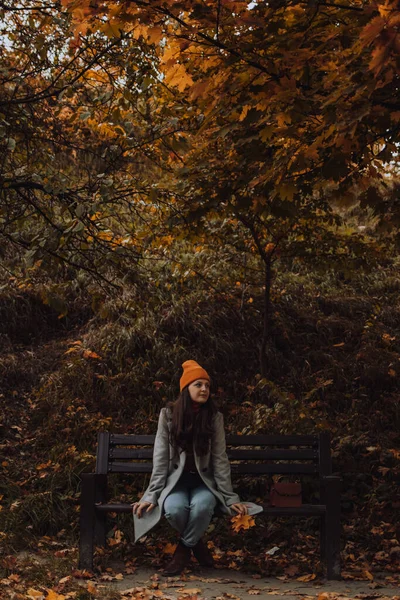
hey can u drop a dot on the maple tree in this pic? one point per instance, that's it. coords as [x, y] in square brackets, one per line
[80, 149]
[301, 97]
[287, 111]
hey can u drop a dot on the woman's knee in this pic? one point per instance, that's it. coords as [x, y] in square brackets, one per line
[175, 511]
[205, 506]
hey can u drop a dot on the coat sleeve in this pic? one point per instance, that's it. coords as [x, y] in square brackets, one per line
[220, 461]
[160, 461]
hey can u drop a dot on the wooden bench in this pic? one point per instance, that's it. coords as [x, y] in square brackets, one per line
[263, 455]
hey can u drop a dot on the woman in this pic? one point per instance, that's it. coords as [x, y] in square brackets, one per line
[191, 471]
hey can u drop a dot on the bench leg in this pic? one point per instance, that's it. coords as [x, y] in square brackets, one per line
[322, 538]
[331, 528]
[87, 520]
[100, 518]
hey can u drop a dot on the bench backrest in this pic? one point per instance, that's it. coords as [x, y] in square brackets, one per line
[258, 454]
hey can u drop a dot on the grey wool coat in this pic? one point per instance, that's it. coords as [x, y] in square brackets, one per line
[214, 469]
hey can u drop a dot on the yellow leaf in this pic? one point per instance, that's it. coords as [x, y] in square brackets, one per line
[43, 465]
[266, 133]
[112, 28]
[177, 76]
[91, 588]
[169, 548]
[384, 10]
[140, 30]
[306, 578]
[242, 522]
[198, 89]
[105, 235]
[369, 575]
[283, 119]
[70, 350]
[244, 112]
[52, 595]
[35, 594]
[90, 354]
[154, 34]
[286, 191]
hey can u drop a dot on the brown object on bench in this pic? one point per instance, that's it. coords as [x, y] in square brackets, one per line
[256, 455]
[285, 494]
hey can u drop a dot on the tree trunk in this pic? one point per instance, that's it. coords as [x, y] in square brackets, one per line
[267, 318]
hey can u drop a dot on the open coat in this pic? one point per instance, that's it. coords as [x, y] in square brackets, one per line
[214, 469]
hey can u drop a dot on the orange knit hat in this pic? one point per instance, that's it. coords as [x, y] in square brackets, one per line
[192, 371]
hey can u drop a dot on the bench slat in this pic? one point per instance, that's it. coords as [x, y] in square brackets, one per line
[294, 468]
[305, 509]
[233, 440]
[138, 453]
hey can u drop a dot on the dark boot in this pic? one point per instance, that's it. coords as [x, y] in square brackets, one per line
[179, 561]
[203, 554]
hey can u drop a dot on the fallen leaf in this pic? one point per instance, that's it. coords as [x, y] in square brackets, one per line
[90, 354]
[169, 548]
[81, 574]
[52, 595]
[35, 594]
[306, 578]
[242, 522]
[91, 587]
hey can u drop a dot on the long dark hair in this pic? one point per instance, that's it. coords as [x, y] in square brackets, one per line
[187, 425]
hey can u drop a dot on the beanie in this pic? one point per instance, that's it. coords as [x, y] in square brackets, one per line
[192, 371]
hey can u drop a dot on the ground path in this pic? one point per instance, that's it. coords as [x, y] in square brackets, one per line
[223, 584]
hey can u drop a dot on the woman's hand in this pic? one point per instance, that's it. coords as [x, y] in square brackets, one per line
[139, 507]
[240, 508]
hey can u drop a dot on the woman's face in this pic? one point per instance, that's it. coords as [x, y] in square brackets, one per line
[199, 390]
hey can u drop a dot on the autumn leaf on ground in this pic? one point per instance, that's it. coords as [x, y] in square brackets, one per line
[52, 595]
[169, 548]
[117, 539]
[90, 354]
[35, 594]
[306, 578]
[81, 574]
[368, 575]
[242, 522]
[91, 587]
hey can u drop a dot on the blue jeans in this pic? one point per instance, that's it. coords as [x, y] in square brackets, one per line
[189, 508]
